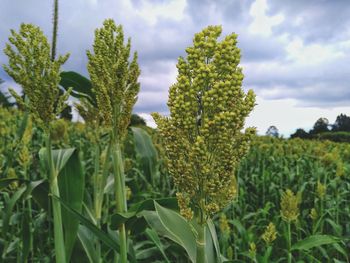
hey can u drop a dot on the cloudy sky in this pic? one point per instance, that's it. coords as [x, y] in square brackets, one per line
[295, 53]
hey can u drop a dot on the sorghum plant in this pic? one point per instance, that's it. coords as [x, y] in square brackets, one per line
[30, 65]
[270, 234]
[202, 136]
[289, 212]
[114, 81]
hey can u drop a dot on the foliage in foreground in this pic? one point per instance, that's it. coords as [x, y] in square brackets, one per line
[100, 191]
[251, 229]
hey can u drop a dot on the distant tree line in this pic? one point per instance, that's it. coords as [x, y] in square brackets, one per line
[322, 129]
[272, 131]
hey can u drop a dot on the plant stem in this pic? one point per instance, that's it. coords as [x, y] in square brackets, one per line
[54, 31]
[119, 187]
[321, 214]
[30, 221]
[56, 206]
[97, 184]
[289, 243]
[98, 194]
[337, 202]
[200, 243]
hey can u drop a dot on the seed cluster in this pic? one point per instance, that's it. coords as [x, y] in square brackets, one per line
[113, 77]
[313, 214]
[270, 234]
[202, 136]
[24, 155]
[321, 190]
[289, 206]
[30, 66]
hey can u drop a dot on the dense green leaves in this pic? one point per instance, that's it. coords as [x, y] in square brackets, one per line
[104, 237]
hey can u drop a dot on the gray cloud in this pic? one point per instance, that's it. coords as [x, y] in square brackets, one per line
[159, 44]
[319, 20]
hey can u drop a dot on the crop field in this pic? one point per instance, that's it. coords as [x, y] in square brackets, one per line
[199, 188]
[316, 172]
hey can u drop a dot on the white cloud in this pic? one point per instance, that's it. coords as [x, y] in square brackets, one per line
[173, 9]
[262, 24]
[312, 53]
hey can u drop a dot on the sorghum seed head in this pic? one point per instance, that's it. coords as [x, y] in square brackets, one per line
[31, 67]
[270, 234]
[321, 190]
[114, 78]
[313, 214]
[202, 137]
[289, 206]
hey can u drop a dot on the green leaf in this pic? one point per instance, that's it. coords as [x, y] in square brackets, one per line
[23, 125]
[146, 154]
[336, 227]
[82, 87]
[26, 239]
[104, 237]
[173, 226]
[41, 195]
[267, 254]
[215, 240]
[210, 247]
[60, 157]
[8, 209]
[71, 187]
[87, 241]
[341, 251]
[237, 224]
[31, 186]
[71, 182]
[129, 218]
[152, 234]
[315, 241]
[168, 202]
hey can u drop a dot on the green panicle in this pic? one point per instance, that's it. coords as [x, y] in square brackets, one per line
[202, 136]
[114, 78]
[31, 67]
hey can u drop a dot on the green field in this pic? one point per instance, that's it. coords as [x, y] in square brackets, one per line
[199, 188]
[317, 172]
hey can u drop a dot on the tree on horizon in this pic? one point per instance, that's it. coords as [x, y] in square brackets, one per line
[342, 123]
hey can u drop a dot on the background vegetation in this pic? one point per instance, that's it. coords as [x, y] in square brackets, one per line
[317, 171]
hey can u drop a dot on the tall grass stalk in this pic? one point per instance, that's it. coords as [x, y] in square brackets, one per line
[120, 193]
[289, 243]
[54, 31]
[98, 194]
[200, 244]
[56, 207]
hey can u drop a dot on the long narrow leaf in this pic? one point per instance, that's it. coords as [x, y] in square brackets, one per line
[214, 237]
[71, 183]
[315, 241]
[105, 238]
[146, 153]
[87, 241]
[152, 234]
[178, 229]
